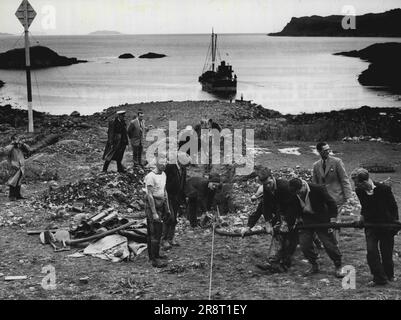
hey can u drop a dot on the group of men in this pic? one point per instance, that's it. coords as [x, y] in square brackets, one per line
[167, 188]
[286, 204]
[117, 140]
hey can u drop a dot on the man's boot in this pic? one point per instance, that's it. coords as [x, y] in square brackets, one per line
[18, 193]
[155, 250]
[120, 167]
[165, 245]
[338, 272]
[171, 234]
[12, 195]
[314, 269]
[106, 166]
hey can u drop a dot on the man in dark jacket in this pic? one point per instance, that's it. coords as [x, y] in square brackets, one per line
[280, 209]
[317, 207]
[176, 178]
[136, 134]
[200, 193]
[15, 154]
[378, 206]
[116, 143]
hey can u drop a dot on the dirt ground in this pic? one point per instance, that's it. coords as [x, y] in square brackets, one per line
[187, 276]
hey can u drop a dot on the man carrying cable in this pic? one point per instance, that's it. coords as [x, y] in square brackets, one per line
[378, 207]
[317, 207]
[280, 209]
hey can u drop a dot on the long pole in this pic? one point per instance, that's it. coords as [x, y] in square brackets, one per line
[211, 257]
[28, 71]
[213, 51]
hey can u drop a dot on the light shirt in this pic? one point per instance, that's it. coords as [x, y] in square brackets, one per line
[306, 205]
[370, 193]
[157, 182]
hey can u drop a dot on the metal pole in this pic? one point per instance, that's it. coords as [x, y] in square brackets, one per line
[28, 71]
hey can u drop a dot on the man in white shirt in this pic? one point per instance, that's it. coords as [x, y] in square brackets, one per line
[157, 209]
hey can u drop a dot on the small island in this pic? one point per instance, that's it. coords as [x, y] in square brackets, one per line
[41, 57]
[126, 56]
[105, 33]
[152, 55]
[385, 68]
[386, 24]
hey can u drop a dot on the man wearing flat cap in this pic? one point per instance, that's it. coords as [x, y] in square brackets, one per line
[280, 209]
[200, 192]
[117, 142]
[378, 207]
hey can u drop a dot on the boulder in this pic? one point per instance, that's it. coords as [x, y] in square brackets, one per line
[152, 55]
[75, 114]
[126, 56]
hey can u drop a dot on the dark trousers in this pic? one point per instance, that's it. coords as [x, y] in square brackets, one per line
[193, 212]
[153, 238]
[328, 240]
[169, 225]
[137, 154]
[380, 245]
[12, 193]
[287, 245]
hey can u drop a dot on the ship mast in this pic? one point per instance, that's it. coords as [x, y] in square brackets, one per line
[214, 43]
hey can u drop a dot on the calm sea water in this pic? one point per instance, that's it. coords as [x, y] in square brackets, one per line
[291, 75]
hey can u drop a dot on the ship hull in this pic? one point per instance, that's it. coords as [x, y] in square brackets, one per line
[218, 86]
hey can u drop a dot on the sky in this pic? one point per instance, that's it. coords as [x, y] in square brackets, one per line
[175, 16]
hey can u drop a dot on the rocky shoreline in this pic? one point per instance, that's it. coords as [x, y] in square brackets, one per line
[41, 57]
[384, 123]
[385, 66]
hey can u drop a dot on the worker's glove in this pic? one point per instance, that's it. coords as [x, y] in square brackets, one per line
[269, 228]
[245, 230]
[298, 222]
[284, 227]
[361, 221]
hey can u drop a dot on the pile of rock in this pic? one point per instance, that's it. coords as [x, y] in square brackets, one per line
[99, 191]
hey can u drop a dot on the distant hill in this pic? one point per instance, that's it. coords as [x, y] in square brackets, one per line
[5, 34]
[386, 24]
[105, 33]
[385, 68]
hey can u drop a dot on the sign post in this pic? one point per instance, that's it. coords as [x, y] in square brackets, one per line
[25, 14]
